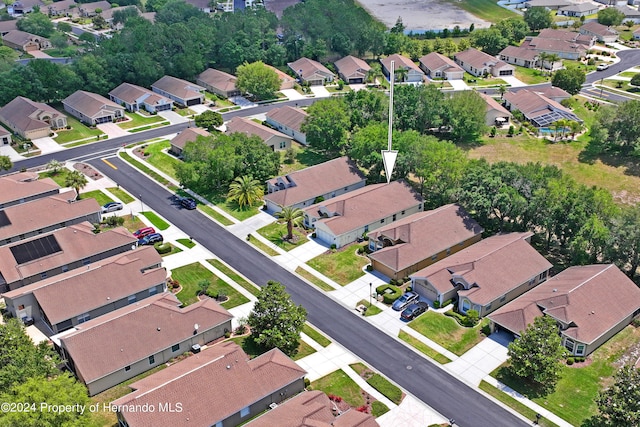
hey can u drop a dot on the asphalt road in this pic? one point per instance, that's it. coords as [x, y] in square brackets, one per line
[628, 58]
[427, 382]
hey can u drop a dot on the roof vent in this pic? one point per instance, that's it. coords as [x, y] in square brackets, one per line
[158, 328]
[555, 290]
[228, 366]
[593, 312]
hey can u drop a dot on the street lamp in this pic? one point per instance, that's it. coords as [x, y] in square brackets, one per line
[141, 205]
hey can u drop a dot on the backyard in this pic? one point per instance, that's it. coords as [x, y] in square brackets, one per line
[447, 332]
[190, 275]
[342, 266]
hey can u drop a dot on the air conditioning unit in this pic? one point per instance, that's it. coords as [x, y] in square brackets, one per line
[273, 406]
[195, 348]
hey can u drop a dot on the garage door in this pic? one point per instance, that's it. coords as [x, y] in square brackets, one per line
[426, 291]
[193, 102]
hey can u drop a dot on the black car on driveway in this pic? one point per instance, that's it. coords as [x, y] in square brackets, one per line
[414, 310]
[151, 239]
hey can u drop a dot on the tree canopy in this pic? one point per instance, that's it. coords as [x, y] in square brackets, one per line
[619, 405]
[610, 16]
[538, 18]
[275, 320]
[616, 128]
[36, 23]
[327, 124]
[569, 79]
[209, 120]
[5, 163]
[258, 80]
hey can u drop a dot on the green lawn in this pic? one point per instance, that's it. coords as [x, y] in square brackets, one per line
[315, 335]
[627, 74]
[275, 233]
[157, 177]
[132, 223]
[482, 82]
[184, 112]
[575, 395]
[100, 197]
[485, 9]
[264, 248]
[163, 161]
[514, 404]
[304, 157]
[253, 350]
[423, 348]
[446, 332]
[304, 350]
[254, 290]
[377, 381]
[121, 194]
[138, 120]
[530, 76]
[77, 131]
[174, 250]
[339, 384]
[157, 222]
[190, 275]
[372, 310]
[343, 266]
[59, 177]
[215, 215]
[313, 279]
[186, 242]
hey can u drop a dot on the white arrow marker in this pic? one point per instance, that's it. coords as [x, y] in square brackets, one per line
[389, 156]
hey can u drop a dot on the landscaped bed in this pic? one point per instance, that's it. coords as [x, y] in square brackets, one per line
[342, 266]
[190, 275]
[447, 332]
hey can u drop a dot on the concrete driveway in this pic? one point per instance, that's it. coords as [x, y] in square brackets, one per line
[47, 145]
[513, 81]
[174, 118]
[292, 94]
[482, 359]
[112, 130]
[458, 84]
[320, 91]
[7, 150]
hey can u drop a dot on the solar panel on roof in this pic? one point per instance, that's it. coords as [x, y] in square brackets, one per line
[4, 219]
[35, 249]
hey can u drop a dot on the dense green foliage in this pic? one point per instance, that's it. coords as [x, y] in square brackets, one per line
[5, 163]
[538, 18]
[36, 23]
[569, 79]
[275, 320]
[537, 355]
[258, 80]
[209, 120]
[618, 128]
[610, 16]
[619, 405]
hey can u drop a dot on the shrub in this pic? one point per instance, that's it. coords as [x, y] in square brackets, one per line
[436, 304]
[360, 250]
[227, 334]
[369, 267]
[378, 408]
[307, 382]
[113, 221]
[472, 318]
[459, 317]
[313, 235]
[447, 302]
[162, 248]
[635, 80]
[363, 408]
[570, 361]
[333, 247]
[389, 297]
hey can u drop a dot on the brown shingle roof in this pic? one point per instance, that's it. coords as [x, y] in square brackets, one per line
[554, 45]
[239, 382]
[400, 61]
[599, 29]
[110, 342]
[76, 242]
[520, 53]
[492, 104]
[107, 14]
[366, 205]
[89, 103]
[553, 92]
[6, 26]
[178, 87]
[434, 61]
[23, 113]
[493, 267]
[350, 66]
[12, 190]
[533, 104]
[477, 58]
[315, 181]
[20, 38]
[251, 128]
[129, 93]
[424, 234]
[311, 408]
[81, 290]
[188, 135]
[91, 7]
[284, 77]
[45, 212]
[306, 67]
[218, 79]
[288, 116]
[568, 36]
[591, 298]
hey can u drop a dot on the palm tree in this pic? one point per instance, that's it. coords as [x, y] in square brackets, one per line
[374, 73]
[401, 74]
[575, 128]
[76, 180]
[292, 217]
[552, 58]
[54, 166]
[502, 89]
[542, 56]
[245, 191]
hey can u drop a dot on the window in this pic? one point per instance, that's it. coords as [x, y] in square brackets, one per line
[448, 251]
[244, 412]
[580, 350]
[487, 308]
[382, 221]
[434, 257]
[84, 318]
[218, 424]
[532, 281]
[504, 297]
[394, 217]
[402, 213]
[346, 188]
[366, 228]
[153, 291]
[86, 261]
[152, 360]
[65, 268]
[466, 305]
[131, 299]
[542, 275]
[569, 345]
[43, 275]
[283, 144]
[175, 347]
[127, 368]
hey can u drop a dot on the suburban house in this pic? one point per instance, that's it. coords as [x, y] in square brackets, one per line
[188, 135]
[312, 408]
[484, 276]
[601, 32]
[202, 5]
[288, 120]
[218, 82]
[438, 66]
[308, 186]
[579, 9]
[590, 304]
[25, 42]
[22, 7]
[496, 114]
[19, 222]
[350, 216]
[537, 108]
[134, 98]
[567, 36]
[311, 72]
[271, 138]
[413, 73]
[181, 91]
[246, 387]
[479, 63]
[549, 4]
[61, 8]
[6, 26]
[352, 70]
[525, 56]
[117, 346]
[88, 10]
[630, 13]
[5, 136]
[554, 93]
[31, 120]
[286, 81]
[24, 187]
[77, 296]
[419, 240]
[65, 249]
[92, 109]
[108, 15]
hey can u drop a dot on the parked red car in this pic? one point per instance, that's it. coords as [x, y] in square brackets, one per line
[144, 232]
